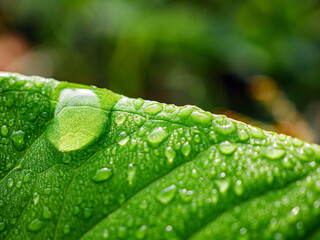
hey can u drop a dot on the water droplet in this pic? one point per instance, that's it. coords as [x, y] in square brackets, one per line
[121, 199]
[26, 178]
[137, 103]
[170, 154]
[2, 226]
[157, 136]
[186, 149]
[120, 119]
[4, 130]
[186, 195]
[141, 232]
[223, 185]
[19, 184]
[297, 142]
[18, 139]
[66, 229]
[243, 135]
[227, 148]
[166, 195]
[274, 153]
[238, 188]
[215, 196]
[36, 198]
[10, 182]
[47, 214]
[185, 112]
[122, 232]
[137, 120]
[87, 213]
[153, 109]
[131, 174]
[257, 133]
[35, 225]
[102, 174]
[105, 233]
[201, 117]
[47, 191]
[124, 141]
[225, 127]
[66, 159]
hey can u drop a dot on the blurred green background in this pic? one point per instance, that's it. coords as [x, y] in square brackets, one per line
[256, 61]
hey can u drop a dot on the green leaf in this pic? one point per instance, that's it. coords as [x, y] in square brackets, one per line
[79, 162]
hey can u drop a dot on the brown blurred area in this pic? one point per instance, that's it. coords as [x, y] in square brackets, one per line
[257, 62]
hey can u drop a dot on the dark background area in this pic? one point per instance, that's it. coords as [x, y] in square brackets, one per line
[255, 61]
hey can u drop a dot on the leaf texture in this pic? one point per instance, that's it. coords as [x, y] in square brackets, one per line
[79, 162]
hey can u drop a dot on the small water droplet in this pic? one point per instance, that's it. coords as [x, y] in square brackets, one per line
[26, 178]
[120, 119]
[87, 213]
[10, 182]
[201, 117]
[2, 226]
[122, 232]
[137, 103]
[18, 139]
[186, 195]
[157, 136]
[141, 232]
[131, 174]
[102, 174]
[215, 196]
[186, 149]
[137, 120]
[170, 154]
[257, 133]
[19, 184]
[124, 141]
[243, 135]
[166, 195]
[227, 148]
[47, 214]
[35, 225]
[121, 199]
[225, 127]
[4, 130]
[238, 188]
[66, 229]
[297, 142]
[36, 198]
[185, 112]
[274, 153]
[153, 109]
[223, 185]
[66, 159]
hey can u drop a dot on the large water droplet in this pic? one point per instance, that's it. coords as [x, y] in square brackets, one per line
[137, 103]
[166, 195]
[201, 117]
[102, 174]
[170, 154]
[35, 225]
[186, 149]
[227, 148]
[70, 129]
[157, 136]
[257, 133]
[18, 139]
[274, 153]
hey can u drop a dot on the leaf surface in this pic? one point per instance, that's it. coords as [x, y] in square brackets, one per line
[79, 162]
